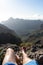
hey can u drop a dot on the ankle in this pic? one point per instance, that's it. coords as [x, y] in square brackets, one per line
[26, 60]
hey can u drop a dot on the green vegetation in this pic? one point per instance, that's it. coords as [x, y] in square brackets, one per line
[28, 44]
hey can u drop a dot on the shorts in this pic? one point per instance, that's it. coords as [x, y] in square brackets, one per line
[33, 62]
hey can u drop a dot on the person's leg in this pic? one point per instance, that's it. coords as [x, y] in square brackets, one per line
[9, 56]
[25, 57]
[28, 61]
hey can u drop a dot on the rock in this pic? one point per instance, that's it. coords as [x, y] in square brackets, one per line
[41, 59]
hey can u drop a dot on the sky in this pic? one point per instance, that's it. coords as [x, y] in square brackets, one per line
[23, 9]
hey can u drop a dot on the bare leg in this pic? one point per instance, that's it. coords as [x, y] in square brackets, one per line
[25, 57]
[9, 56]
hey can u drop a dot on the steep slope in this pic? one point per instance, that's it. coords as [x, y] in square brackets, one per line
[8, 36]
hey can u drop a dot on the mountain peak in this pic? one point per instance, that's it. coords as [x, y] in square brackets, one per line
[11, 18]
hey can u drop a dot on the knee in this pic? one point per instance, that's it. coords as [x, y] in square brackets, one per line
[10, 50]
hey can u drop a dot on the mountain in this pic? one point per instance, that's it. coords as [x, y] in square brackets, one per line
[8, 36]
[21, 26]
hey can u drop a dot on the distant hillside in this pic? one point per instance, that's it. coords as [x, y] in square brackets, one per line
[35, 36]
[22, 26]
[8, 36]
